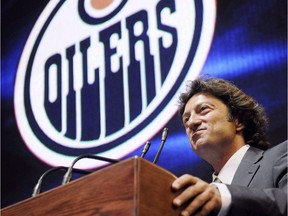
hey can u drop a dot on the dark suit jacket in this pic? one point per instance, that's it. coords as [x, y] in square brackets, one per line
[259, 186]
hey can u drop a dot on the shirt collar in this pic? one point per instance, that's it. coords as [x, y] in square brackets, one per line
[228, 171]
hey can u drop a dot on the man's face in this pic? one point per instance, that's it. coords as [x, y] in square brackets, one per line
[206, 122]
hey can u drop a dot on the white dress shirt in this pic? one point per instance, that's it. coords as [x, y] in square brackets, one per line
[226, 175]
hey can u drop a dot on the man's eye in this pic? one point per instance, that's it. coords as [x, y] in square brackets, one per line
[185, 120]
[203, 109]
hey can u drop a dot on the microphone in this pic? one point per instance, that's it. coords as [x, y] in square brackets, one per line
[145, 149]
[37, 188]
[68, 175]
[163, 139]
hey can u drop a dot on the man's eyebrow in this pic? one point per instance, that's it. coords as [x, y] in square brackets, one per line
[185, 114]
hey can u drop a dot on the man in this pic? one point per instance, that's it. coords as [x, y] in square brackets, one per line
[227, 128]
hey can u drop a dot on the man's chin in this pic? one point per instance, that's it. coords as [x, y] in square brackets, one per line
[200, 145]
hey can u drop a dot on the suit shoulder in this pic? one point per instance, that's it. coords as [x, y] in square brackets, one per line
[277, 150]
[280, 147]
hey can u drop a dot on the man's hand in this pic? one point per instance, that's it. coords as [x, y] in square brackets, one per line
[203, 198]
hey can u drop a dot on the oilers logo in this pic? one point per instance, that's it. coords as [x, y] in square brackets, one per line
[101, 76]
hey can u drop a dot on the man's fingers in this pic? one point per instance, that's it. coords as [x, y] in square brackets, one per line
[204, 201]
[186, 195]
[184, 181]
[196, 196]
[195, 187]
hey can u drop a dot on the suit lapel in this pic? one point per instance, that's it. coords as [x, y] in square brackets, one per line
[248, 167]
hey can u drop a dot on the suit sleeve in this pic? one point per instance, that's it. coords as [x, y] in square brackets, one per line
[263, 201]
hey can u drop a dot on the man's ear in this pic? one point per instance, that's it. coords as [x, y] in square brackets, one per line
[239, 126]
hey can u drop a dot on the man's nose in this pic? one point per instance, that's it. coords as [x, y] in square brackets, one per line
[194, 122]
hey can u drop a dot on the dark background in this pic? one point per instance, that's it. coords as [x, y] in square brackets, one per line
[249, 48]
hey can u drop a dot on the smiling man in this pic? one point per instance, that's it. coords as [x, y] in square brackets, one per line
[227, 128]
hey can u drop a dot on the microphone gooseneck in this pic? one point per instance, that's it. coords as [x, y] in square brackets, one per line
[37, 188]
[68, 175]
[163, 139]
[145, 149]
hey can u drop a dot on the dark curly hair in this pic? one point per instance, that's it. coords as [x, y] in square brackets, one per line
[240, 105]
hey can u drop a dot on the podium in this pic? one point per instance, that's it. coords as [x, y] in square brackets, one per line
[133, 187]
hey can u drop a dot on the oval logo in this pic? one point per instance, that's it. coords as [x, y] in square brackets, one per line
[101, 76]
